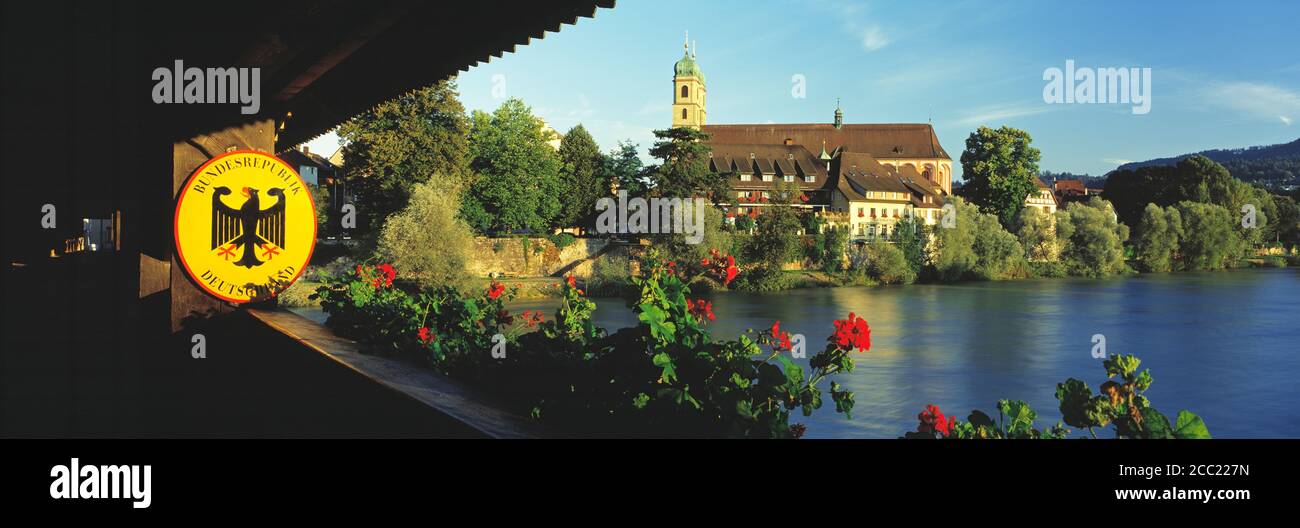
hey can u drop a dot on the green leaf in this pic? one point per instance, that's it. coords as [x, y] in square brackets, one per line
[662, 360]
[1190, 426]
[793, 372]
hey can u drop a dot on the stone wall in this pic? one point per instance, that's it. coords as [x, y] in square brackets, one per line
[540, 259]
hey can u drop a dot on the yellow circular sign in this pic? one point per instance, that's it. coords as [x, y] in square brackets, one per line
[245, 226]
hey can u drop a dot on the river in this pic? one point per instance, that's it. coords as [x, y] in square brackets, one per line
[1221, 344]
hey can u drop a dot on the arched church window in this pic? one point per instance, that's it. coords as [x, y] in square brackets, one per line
[683, 113]
[685, 91]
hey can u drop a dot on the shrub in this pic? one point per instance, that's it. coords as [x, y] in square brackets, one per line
[763, 279]
[610, 275]
[426, 240]
[561, 240]
[887, 264]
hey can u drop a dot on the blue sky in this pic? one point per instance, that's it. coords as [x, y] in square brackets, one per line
[1224, 74]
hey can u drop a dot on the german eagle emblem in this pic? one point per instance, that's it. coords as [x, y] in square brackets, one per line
[250, 227]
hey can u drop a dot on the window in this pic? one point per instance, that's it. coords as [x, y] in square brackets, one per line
[745, 177]
[686, 92]
[810, 178]
[789, 177]
[767, 177]
[683, 111]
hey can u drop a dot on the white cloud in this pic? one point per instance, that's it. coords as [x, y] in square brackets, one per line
[993, 115]
[1256, 100]
[874, 38]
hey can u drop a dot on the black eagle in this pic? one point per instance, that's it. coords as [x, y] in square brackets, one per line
[249, 226]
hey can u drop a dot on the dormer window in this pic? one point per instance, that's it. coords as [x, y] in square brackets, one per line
[809, 178]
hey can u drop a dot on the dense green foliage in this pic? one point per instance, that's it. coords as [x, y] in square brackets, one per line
[1195, 179]
[1037, 233]
[911, 236]
[400, 143]
[516, 183]
[623, 169]
[976, 247]
[1091, 239]
[1157, 237]
[667, 376]
[1211, 238]
[683, 170]
[999, 167]
[581, 179]
[776, 237]
[887, 264]
[427, 240]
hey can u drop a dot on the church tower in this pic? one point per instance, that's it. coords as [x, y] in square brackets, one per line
[688, 91]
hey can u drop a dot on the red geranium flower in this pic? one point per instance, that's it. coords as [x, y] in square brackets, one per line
[495, 290]
[389, 273]
[782, 338]
[852, 332]
[700, 308]
[426, 335]
[573, 281]
[932, 420]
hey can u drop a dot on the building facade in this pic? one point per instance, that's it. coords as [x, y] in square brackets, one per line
[866, 177]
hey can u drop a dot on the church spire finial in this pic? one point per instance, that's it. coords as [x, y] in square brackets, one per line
[687, 44]
[839, 114]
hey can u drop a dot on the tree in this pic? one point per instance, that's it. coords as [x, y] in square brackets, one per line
[516, 185]
[999, 168]
[581, 178]
[1037, 233]
[1092, 240]
[400, 143]
[1156, 238]
[975, 247]
[427, 240]
[1210, 236]
[623, 169]
[776, 238]
[320, 195]
[1287, 227]
[911, 235]
[684, 169]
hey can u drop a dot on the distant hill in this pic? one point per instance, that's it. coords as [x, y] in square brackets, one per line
[1274, 166]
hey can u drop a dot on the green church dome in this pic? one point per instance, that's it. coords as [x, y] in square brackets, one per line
[686, 67]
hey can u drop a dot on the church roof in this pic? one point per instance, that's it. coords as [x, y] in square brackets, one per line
[777, 160]
[879, 140]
